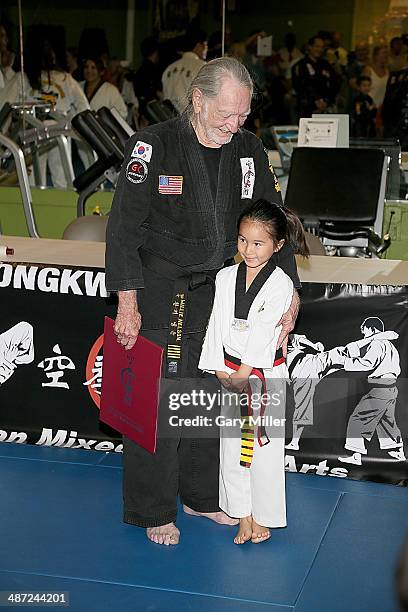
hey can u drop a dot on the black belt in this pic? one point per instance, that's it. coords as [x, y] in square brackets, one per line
[170, 270]
[184, 281]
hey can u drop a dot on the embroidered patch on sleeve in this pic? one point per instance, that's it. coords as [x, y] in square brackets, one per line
[248, 177]
[171, 185]
[136, 170]
[142, 150]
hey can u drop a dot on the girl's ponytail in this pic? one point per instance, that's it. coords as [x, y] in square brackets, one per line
[295, 233]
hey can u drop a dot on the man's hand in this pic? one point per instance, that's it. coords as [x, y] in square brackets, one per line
[128, 320]
[288, 321]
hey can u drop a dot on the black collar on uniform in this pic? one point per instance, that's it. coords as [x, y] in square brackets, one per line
[243, 298]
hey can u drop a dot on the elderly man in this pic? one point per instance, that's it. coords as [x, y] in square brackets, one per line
[173, 223]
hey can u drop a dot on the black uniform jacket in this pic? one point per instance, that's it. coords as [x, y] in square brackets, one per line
[163, 205]
[313, 80]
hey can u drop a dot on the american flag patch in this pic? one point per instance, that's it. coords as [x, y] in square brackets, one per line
[170, 184]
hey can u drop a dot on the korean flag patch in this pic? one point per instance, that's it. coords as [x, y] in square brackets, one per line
[142, 150]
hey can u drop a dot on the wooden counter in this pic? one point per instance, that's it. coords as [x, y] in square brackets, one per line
[316, 269]
[76, 253]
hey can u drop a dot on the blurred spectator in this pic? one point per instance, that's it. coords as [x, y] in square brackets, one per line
[395, 107]
[115, 69]
[117, 73]
[340, 80]
[6, 58]
[147, 79]
[289, 54]
[326, 37]
[398, 54]
[98, 91]
[330, 55]
[253, 63]
[357, 62]
[314, 81]
[215, 44]
[341, 52]
[363, 112]
[177, 77]
[378, 72]
[72, 63]
[170, 51]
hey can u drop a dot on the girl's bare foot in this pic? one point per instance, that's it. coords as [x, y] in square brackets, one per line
[259, 533]
[244, 531]
[164, 534]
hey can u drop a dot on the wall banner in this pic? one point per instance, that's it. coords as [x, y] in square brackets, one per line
[346, 413]
[51, 326]
[347, 401]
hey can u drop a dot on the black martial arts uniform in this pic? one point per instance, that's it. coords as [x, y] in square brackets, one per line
[174, 215]
[313, 80]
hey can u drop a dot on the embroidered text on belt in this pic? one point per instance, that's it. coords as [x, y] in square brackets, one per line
[248, 429]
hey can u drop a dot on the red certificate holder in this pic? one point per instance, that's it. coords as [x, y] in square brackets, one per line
[131, 387]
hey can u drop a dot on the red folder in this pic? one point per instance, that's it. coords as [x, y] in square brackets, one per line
[131, 387]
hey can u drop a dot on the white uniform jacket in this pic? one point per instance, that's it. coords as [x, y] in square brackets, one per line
[254, 343]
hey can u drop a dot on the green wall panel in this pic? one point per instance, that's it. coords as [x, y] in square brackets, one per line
[54, 209]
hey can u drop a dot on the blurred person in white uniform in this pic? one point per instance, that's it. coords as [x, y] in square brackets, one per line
[178, 76]
[6, 58]
[44, 81]
[99, 92]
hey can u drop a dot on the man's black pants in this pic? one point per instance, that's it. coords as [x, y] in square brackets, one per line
[181, 464]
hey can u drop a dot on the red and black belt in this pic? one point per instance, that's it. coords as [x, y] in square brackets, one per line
[248, 429]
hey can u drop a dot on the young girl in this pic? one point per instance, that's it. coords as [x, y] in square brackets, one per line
[240, 348]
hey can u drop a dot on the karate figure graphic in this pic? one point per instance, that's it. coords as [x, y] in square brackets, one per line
[375, 412]
[308, 363]
[16, 347]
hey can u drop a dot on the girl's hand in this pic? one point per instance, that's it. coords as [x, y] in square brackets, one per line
[238, 382]
[224, 378]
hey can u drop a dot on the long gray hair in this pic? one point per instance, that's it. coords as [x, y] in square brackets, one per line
[210, 77]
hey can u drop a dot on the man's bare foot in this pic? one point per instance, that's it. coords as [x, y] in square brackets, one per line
[259, 533]
[244, 532]
[164, 534]
[218, 517]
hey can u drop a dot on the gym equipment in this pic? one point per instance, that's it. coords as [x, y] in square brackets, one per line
[339, 195]
[106, 137]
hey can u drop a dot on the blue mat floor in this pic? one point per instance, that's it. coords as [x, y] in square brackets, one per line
[62, 530]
